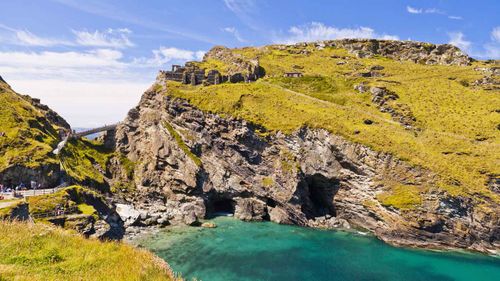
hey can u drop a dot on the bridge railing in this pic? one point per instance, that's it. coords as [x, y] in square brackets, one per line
[93, 131]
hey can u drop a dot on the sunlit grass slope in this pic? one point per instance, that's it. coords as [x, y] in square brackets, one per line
[26, 138]
[40, 252]
[455, 135]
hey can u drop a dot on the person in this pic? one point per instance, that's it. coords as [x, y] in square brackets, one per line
[1, 188]
[33, 184]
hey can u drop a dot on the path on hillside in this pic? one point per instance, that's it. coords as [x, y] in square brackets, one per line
[5, 204]
[344, 107]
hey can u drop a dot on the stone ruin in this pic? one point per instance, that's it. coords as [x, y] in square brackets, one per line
[239, 69]
[191, 74]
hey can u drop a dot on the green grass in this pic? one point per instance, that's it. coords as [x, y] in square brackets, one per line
[182, 144]
[86, 161]
[41, 252]
[27, 138]
[401, 197]
[69, 197]
[86, 209]
[267, 182]
[458, 139]
[214, 64]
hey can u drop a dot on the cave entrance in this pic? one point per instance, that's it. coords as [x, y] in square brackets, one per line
[223, 206]
[320, 194]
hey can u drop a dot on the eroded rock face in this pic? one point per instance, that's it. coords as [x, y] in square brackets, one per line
[193, 164]
[417, 52]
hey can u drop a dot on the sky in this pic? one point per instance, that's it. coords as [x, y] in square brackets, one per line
[92, 60]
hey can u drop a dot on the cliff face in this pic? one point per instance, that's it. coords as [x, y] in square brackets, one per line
[28, 132]
[193, 163]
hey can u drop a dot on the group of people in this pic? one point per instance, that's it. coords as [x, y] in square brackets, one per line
[21, 186]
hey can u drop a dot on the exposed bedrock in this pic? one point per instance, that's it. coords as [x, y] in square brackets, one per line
[190, 164]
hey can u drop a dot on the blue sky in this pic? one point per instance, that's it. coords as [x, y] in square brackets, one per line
[91, 60]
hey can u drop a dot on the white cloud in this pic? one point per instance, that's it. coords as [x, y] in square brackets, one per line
[165, 55]
[495, 34]
[247, 12]
[27, 38]
[93, 58]
[434, 11]
[235, 33]
[240, 6]
[488, 50]
[318, 31]
[85, 104]
[458, 39]
[412, 10]
[89, 88]
[111, 38]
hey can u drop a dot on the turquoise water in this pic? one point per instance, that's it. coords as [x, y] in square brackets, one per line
[238, 250]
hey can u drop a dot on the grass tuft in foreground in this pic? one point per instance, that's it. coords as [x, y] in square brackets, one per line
[41, 252]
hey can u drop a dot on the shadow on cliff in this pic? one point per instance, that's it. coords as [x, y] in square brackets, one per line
[315, 193]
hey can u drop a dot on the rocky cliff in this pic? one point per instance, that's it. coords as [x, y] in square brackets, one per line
[29, 131]
[190, 164]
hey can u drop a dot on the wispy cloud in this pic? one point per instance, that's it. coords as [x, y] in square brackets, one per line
[487, 50]
[110, 38]
[235, 33]
[27, 38]
[318, 31]
[458, 39]
[413, 10]
[240, 6]
[110, 11]
[495, 34]
[73, 81]
[90, 65]
[165, 55]
[246, 11]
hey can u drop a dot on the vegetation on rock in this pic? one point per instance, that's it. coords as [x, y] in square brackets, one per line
[26, 137]
[455, 135]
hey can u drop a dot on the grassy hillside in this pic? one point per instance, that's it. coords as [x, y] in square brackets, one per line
[455, 132]
[26, 137]
[40, 252]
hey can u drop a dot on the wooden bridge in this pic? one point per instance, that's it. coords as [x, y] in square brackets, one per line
[93, 131]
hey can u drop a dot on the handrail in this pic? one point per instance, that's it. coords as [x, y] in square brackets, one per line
[94, 130]
[55, 213]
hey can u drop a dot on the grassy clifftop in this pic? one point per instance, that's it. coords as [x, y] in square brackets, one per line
[26, 136]
[454, 120]
[40, 252]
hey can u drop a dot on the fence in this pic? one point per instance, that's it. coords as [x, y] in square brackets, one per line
[55, 213]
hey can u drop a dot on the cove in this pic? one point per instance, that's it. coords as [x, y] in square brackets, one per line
[237, 250]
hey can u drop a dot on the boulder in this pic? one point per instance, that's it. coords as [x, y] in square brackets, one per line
[249, 209]
[128, 214]
[208, 225]
[278, 215]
